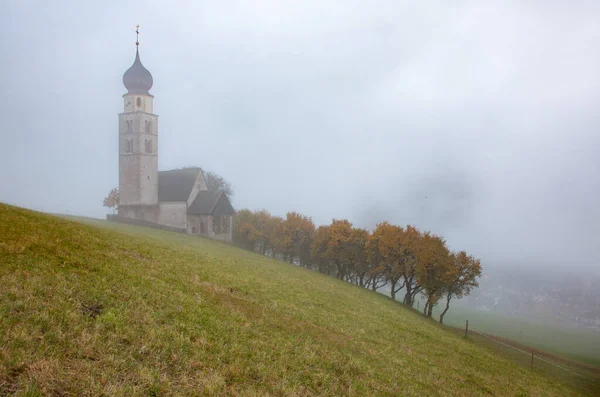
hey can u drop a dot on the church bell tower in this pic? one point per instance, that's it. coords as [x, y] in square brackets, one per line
[138, 146]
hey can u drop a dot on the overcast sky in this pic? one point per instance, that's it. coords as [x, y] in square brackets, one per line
[479, 121]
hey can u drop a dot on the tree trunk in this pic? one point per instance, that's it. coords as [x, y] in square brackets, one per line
[340, 272]
[414, 293]
[407, 300]
[425, 307]
[429, 310]
[395, 281]
[368, 282]
[322, 268]
[446, 309]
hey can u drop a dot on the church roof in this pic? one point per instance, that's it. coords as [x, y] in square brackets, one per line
[211, 203]
[137, 79]
[176, 185]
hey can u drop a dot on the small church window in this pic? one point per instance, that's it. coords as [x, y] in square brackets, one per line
[148, 145]
[129, 146]
[148, 126]
[129, 126]
[139, 102]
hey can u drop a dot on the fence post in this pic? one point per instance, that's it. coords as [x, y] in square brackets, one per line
[466, 328]
[532, 360]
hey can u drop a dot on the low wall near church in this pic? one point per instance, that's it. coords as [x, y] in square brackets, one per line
[139, 222]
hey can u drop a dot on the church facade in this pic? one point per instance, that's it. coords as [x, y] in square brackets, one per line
[177, 199]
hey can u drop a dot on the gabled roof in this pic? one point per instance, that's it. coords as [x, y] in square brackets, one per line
[211, 203]
[176, 185]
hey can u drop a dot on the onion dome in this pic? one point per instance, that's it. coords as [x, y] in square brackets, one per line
[137, 79]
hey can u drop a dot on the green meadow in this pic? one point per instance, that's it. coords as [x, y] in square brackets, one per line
[578, 344]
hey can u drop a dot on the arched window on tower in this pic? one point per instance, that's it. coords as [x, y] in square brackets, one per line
[148, 126]
[129, 146]
[130, 126]
[139, 102]
[148, 145]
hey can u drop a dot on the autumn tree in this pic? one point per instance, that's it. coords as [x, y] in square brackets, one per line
[244, 229]
[433, 264]
[363, 271]
[356, 247]
[112, 200]
[411, 239]
[376, 263]
[295, 236]
[340, 235]
[460, 278]
[304, 238]
[263, 235]
[318, 250]
[388, 254]
[272, 228]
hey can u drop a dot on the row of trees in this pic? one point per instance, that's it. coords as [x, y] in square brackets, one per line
[403, 259]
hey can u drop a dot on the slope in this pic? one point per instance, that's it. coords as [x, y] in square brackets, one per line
[133, 311]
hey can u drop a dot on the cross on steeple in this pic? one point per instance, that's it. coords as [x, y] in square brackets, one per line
[137, 35]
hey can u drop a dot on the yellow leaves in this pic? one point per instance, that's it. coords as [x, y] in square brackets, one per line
[339, 236]
[463, 275]
[295, 230]
[320, 243]
[260, 230]
[386, 240]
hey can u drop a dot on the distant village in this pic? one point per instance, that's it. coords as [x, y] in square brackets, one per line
[573, 301]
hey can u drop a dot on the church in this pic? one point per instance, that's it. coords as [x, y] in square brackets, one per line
[174, 199]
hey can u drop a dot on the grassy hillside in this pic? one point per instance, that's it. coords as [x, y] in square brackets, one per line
[136, 311]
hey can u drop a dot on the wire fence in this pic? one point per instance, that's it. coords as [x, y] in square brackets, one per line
[531, 353]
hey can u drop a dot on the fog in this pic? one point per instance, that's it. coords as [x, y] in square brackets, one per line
[476, 121]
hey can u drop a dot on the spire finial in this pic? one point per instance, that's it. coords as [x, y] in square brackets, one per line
[137, 35]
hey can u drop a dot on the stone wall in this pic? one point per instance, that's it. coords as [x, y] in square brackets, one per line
[148, 213]
[201, 225]
[173, 214]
